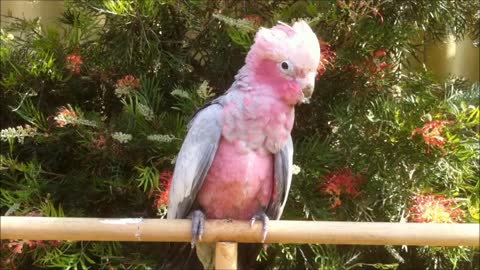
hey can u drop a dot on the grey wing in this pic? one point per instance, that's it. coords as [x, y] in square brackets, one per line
[194, 159]
[283, 179]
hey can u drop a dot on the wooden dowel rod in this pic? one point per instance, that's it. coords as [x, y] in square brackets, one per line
[226, 255]
[283, 231]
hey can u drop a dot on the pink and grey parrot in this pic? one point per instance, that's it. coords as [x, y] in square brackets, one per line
[236, 160]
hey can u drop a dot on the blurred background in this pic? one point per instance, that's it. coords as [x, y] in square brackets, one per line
[444, 58]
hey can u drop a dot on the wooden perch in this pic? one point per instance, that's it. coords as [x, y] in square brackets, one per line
[226, 255]
[284, 231]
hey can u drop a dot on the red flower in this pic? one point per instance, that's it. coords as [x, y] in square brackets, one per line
[352, 68]
[434, 208]
[379, 53]
[375, 68]
[65, 116]
[339, 182]
[254, 19]
[16, 246]
[432, 134]
[126, 85]
[327, 56]
[129, 81]
[377, 13]
[34, 213]
[74, 62]
[100, 142]
[336, 203]
[372, 68]
[54, 243]
[163, 194]
[31, 243]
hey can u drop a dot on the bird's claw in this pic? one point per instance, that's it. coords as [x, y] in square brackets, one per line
[198, 224]
[264, 218]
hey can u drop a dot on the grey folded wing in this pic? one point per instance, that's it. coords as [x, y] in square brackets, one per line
[283, 179]
[194, 159]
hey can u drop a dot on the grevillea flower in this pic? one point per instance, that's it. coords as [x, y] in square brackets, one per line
[379, 53]
[296, 169]
[380, 67]
[432, 134]
[377, 13]
[327, 56]
[125, 85]
[161, 138]
[254, 19]
[34, 213]
[434, 208]
[373, 68]
[358, 6]
[376, 65]
[163, 194]
[341, 182]
[65, 116]
[17, 246]
[122, 137]
[19, 133]
[100, 141]
[74, 62]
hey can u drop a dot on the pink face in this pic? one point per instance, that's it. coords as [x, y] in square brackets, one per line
[281, 78]
[285, 59]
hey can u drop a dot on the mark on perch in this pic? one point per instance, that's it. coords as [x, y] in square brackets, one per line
[138, 233]
[122, 221]
[127, 221]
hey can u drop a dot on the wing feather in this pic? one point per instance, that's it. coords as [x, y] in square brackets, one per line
[194, 159]
[283, 179]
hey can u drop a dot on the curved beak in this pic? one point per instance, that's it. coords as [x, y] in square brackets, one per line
[307, 84]
[307, 94]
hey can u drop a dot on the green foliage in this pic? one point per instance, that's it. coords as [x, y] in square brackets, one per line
[373, 136]
[147, 178]
[94, 111]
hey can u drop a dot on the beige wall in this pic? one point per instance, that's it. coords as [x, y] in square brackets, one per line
[443, 58]
[47, 10]
[449, 57]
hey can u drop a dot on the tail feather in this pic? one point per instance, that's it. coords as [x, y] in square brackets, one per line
[247, 256]
[181, 256]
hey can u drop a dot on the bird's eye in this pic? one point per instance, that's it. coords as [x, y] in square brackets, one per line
[286, 67]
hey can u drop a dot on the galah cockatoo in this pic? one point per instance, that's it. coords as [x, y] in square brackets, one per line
[236, 160]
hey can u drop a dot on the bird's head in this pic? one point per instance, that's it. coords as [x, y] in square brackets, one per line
[285, 58]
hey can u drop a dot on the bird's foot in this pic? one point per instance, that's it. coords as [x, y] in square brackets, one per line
[198, 224]
[264, 218]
